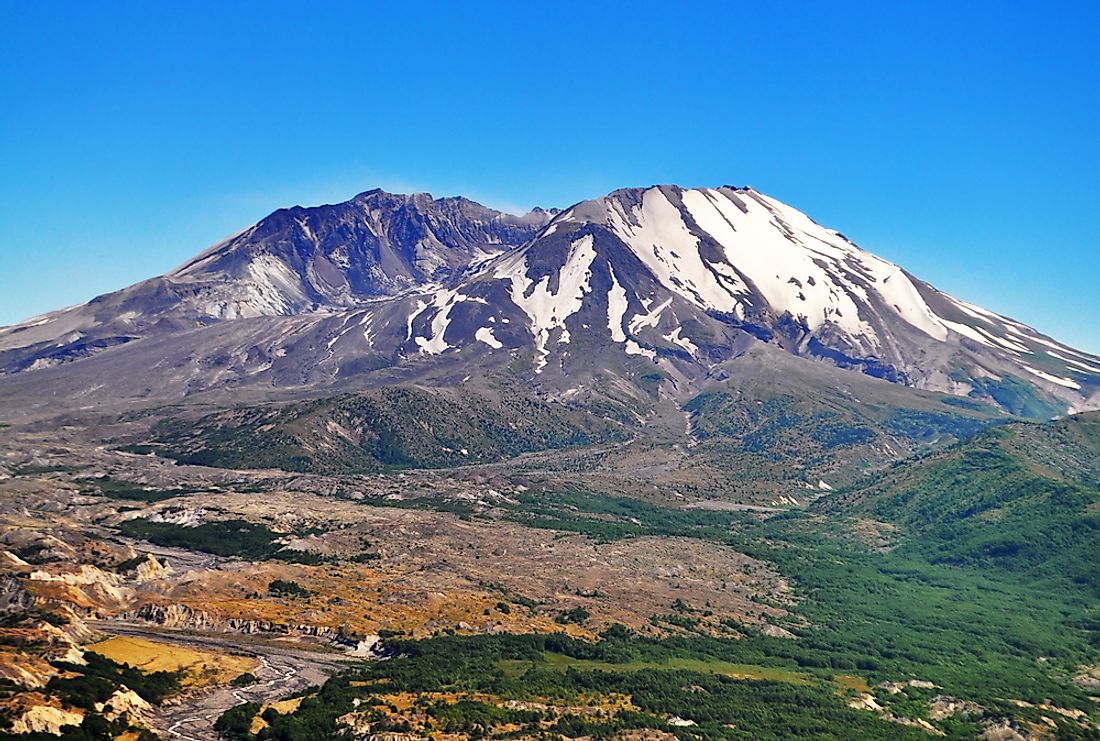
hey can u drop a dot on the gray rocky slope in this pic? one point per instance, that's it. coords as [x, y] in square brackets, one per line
[659, 282]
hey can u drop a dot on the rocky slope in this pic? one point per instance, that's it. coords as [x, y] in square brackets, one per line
[296, 260]
[664, 282]
[689, 278]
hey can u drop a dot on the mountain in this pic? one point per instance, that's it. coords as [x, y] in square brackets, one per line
[664, 280]
[689, 278]
[1020, 498]
[682, 459]
[296, 260]
[372, 431]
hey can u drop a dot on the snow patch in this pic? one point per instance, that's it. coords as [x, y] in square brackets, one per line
[1076, 364]
[783, 262]
[650, 319]
[367, 324]
[420, 306]
[1067, 382]
[655, 231]
[967, 331]
[675, 338]
[443, 301]
[547, 310]
[485, 334]
[616, 309]
[633, 348]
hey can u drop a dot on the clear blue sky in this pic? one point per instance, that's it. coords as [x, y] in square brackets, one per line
[961, 140]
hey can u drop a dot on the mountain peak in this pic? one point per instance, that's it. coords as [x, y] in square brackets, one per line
[683, 280]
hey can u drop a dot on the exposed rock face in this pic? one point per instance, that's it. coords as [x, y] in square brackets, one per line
[126, 702]
[679, 280]
[943, 706]
[152, 570]
[295, 260]
[183, 617]
[1004, 730]
[25, 670]
[45, 719]
[176, 616]
[376, 244]
[90, 587]
[13, 597]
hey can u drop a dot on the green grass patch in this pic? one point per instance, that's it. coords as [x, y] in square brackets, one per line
[130, 491]
[229, 538]
[518, 667]
[663, 679]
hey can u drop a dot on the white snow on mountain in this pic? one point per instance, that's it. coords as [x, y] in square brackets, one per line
[769, 249]
[684, 278]
[547, 309]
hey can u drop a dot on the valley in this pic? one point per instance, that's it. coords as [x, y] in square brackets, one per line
[669, 463]
[659, 584]
[276, 670]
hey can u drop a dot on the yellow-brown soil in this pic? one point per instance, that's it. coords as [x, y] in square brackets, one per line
[200, 668]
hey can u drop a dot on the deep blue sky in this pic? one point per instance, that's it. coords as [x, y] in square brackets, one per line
[961, 140]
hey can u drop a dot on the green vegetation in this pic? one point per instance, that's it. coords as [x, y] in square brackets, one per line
[988, 590]
[576, 616]
[992, 625]
[912, 612]
[243, 680]
[1017, 396]
[952, 596]
[284, 588]
[101, 677]
[373, 431]
[607, 518]
[703, 665]
[236, 722]
[921, 426]
[894, 615]
[1020, 499]
[788, 426]
[129, 491]
[237, 538]
[760, 432]
[664, 679]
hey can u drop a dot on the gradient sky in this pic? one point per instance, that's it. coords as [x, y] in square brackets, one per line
[960, 140]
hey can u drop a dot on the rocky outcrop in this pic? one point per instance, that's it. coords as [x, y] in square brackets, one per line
[25, 670]
[45, 719]
[126, 702]
[13, 596]
[152, 570]
[182, 617]
[89, 587]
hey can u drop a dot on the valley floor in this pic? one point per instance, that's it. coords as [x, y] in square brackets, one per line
[507, 601]
[280, 670]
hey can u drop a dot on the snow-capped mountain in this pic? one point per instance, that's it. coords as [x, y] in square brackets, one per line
[685, 278]
[376, 244]
[296, 260]
[680, 281]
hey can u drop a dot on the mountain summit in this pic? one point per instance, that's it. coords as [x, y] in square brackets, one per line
[679, 281]
[294, 261]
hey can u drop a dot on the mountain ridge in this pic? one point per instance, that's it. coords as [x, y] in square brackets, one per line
[682, 280]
